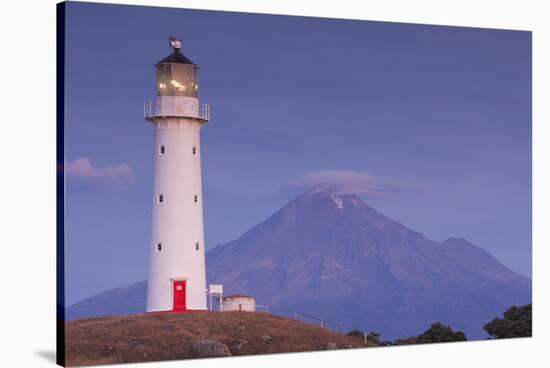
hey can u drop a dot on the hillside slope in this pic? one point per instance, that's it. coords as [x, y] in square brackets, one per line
[164, 336]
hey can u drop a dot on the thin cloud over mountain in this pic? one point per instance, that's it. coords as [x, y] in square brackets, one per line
[345, 182]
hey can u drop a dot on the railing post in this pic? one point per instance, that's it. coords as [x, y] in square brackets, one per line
[322, 324]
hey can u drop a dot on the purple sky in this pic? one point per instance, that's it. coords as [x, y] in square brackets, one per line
[436, 120]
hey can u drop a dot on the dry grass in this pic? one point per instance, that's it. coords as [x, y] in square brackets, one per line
[166, 336]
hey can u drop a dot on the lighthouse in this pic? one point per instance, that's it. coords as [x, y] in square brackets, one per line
[177, 279]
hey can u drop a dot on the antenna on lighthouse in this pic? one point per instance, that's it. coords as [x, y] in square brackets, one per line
[175, 43]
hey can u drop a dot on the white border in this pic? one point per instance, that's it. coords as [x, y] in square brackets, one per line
[28, 183]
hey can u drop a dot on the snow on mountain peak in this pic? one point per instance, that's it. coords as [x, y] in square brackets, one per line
[338, 201]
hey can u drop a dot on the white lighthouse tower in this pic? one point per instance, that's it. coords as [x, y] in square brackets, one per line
[177, 280]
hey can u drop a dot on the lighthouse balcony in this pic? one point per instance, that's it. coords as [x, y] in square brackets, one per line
[176, 107]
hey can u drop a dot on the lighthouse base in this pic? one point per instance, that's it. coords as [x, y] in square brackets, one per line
[178, 311]
[187, 310]
[179, 294]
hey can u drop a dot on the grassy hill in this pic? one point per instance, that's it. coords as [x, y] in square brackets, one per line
[165, 336]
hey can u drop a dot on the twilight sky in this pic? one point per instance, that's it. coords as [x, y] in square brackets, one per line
[436, 120]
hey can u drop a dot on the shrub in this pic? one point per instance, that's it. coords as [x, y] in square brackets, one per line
[440, 333]
[517, 322]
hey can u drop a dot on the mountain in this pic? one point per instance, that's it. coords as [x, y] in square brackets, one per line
[122, 300]
[335, 257]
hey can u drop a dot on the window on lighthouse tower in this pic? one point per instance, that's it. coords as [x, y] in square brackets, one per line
[162, 149]
[161, 198]
[197, 246]
[159, 247]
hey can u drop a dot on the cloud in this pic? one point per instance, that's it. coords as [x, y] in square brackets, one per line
[344, 182]
[83, 175]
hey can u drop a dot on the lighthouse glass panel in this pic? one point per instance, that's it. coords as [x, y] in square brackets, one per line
[177, 80]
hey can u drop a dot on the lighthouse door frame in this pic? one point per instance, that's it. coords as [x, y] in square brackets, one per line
[179, 294]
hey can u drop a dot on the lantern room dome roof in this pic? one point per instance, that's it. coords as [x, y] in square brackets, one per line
[176, 57]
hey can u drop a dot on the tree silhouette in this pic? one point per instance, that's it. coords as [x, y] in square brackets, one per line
[440, 333]
[374, 337]
[517, 322]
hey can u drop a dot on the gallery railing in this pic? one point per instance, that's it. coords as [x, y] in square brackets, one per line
[153, 109]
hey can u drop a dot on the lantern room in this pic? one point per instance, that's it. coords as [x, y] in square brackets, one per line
[176, 87]
[176, 74]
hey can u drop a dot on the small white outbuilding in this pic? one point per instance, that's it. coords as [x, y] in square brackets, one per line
[238, 302]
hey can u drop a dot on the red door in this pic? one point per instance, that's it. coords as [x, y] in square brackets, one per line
[179, 296]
